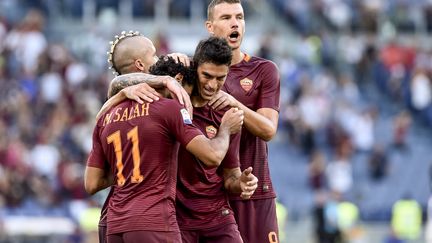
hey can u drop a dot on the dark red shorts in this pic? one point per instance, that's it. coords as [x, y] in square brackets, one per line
[102, 234]
[227, 233]
[145, 236]
[256, 220]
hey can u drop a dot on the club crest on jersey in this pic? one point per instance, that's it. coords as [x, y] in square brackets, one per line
[211, 131]
[185, 115]
[246, 84]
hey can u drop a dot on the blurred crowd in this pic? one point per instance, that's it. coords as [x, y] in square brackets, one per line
[356, 15]
[332, 88]
[48, 105]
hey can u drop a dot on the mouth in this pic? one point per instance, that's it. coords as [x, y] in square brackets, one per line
[234, 36]
[208, 92]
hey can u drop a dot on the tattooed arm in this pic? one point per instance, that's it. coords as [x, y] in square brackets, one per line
[140, 87]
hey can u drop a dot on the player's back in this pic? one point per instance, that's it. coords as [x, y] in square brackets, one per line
[140, 143]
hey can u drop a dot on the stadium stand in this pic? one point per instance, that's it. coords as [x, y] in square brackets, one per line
[348, 87]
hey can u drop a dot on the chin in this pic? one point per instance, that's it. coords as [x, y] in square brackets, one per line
[207, 97]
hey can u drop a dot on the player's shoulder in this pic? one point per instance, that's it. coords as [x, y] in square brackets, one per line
[263, 62]
[172, 108]
[169, 104]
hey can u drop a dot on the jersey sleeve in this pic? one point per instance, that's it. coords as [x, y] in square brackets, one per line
[232, 158]
[180, 123]
[270, 90]
[97, 156]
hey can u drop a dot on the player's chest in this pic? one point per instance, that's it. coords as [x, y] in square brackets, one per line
[245, 88]
[207, 122]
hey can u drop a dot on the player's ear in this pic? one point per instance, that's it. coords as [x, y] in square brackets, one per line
[209, 27]
[139, 65]
[179, 77]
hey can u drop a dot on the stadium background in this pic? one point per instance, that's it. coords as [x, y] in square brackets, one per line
[356, 105]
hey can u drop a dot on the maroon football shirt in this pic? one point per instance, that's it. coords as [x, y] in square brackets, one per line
[255, 82]
[139, 143]
[202, 201]
[104, 211]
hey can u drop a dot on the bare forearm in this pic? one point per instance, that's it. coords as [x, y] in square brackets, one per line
[258, 124]
[219, 146]
[126, 80]
[210, 151]
[232, 180]
[104, 183]
[95, 180]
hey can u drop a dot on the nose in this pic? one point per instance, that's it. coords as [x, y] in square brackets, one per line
[213, 84]
[234, 23]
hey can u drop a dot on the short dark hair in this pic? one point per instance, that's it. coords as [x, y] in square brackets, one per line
[213, 50]
[167, 66]
[213, 3]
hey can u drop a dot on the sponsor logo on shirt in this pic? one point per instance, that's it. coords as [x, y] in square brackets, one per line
[246, 84]
[185, 116]
[211, 131]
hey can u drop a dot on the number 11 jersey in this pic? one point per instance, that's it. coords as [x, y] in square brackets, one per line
[138, 145]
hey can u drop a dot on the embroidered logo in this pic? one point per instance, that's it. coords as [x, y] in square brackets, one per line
[185, 116]
[246, 84]
[211, 131]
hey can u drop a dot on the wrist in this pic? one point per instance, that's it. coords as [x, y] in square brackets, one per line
[165, 81]
[122, 93]
[224, 129]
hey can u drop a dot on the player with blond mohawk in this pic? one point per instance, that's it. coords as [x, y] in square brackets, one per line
[123, 59]
[128, 40]
[138, 60]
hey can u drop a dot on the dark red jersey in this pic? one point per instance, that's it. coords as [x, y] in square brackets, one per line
[104, 211]
[139, 142]
[255, 82]
[202, 201]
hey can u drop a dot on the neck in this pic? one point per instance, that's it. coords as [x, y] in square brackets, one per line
[197, 101]
[237, 56]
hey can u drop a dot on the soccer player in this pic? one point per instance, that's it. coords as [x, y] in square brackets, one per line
[252, 85]
[203, 211]
[137, 55]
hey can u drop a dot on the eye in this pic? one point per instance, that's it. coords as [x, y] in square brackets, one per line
[206, 76]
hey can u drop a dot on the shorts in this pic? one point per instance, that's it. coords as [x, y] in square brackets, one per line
[256, 220]
[228, 233]
[102, 231]
[145, 236]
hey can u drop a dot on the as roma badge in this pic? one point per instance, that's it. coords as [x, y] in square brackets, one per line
[246, 84]
[211, 131]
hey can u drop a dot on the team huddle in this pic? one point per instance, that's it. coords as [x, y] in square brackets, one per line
[182, 142]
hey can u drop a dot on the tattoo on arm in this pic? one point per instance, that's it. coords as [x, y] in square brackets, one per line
[126, 80]
[231, 183]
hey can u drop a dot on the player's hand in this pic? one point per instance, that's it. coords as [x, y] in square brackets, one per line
[180, 57]
[248, 183]
[179, 93]
[233, 120]
[140, 93]
[222, 100]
